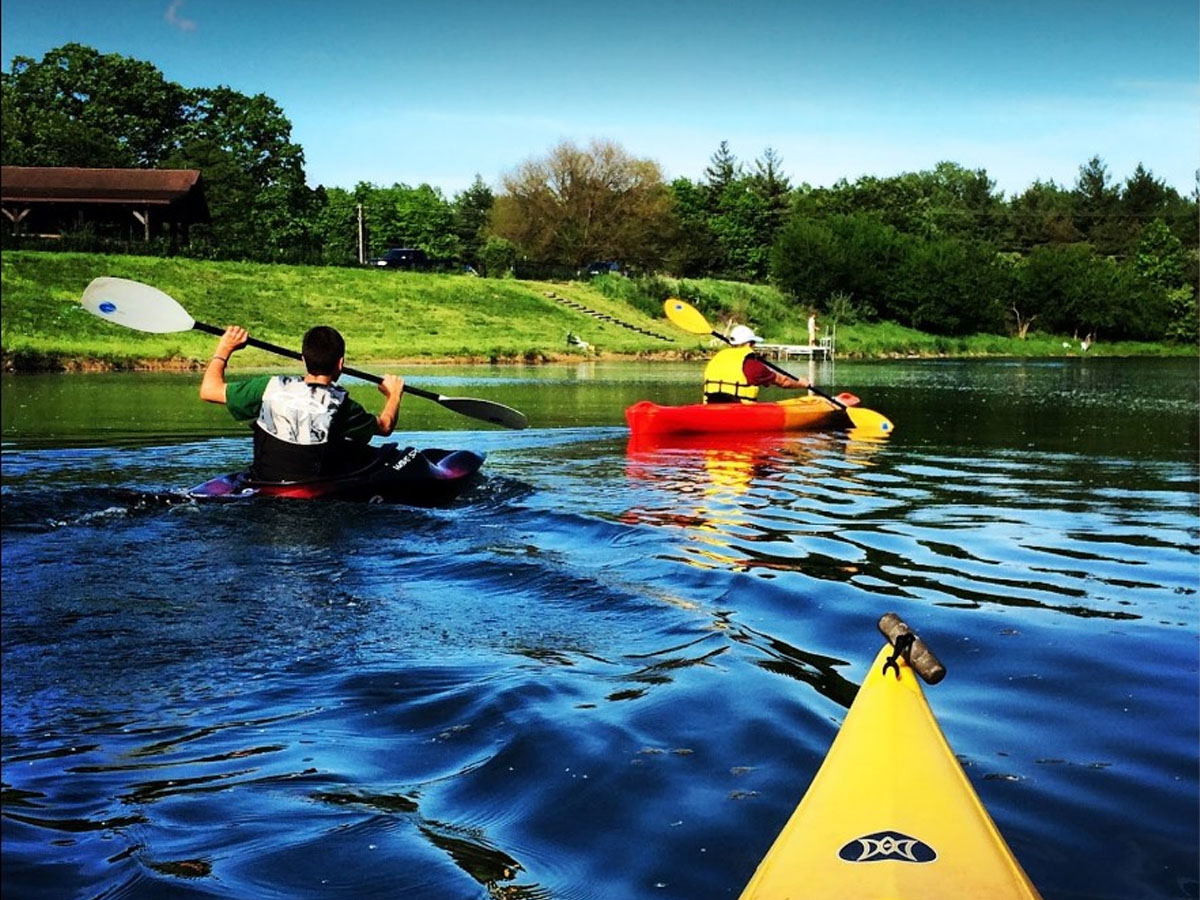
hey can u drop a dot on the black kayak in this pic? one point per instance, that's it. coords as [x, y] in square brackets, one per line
[394, 475]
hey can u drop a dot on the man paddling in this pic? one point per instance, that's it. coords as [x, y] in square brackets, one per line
[737, 372]
[304, 426]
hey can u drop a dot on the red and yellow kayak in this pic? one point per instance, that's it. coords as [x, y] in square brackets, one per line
[890, 814]
[794, 414]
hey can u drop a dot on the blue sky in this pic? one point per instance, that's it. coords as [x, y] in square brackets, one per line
[441, 90]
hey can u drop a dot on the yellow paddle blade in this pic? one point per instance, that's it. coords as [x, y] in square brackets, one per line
[868, 420]
[686, 316]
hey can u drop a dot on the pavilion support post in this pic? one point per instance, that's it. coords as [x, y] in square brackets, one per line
[143, 216]
[16, 218]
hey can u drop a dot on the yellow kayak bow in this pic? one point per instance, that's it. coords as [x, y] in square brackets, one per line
[890, 814]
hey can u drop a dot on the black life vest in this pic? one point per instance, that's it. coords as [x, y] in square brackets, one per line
[294, 436]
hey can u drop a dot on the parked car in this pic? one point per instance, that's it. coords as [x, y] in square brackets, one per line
[601, 267]
[401, 258]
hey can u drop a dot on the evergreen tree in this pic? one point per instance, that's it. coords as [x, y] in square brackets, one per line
[472, 214]
[1042, 214]
[723, 169]
[1096, 207]
[1143, 196]
[770, 183]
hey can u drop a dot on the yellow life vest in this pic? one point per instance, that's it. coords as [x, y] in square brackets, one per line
[723, 374]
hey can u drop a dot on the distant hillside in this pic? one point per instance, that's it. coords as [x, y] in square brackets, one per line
[384, 314]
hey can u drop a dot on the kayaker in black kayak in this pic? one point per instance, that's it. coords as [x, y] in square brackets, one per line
[737, 372]
[304, 426]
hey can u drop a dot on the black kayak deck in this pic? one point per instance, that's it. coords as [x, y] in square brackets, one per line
[410, 476]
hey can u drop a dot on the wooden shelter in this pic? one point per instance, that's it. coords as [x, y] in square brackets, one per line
[123, 203]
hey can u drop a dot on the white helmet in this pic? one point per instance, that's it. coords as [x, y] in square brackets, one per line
[742, 335]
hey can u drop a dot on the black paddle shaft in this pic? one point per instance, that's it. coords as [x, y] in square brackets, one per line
[292, 354]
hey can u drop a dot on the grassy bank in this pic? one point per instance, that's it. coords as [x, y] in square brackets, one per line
[390, 316]
[385, 315]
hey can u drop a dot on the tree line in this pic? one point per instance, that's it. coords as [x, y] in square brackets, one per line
[940, 250]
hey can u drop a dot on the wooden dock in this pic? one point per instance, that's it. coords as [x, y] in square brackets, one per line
[822, 349]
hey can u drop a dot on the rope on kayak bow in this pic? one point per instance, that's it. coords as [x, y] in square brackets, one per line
[907, 645]
[900, 648]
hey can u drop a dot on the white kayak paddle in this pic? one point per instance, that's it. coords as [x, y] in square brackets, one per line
[146, 308]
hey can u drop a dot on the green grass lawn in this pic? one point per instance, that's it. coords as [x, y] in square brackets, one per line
[384, 314]
[388, 315]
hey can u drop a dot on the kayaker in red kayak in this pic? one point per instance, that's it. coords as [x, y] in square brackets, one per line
[737, 372]
[304, 426]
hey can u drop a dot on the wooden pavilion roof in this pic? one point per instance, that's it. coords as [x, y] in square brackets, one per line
[65, 184]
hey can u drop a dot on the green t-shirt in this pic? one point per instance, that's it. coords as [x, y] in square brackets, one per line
[243, 398]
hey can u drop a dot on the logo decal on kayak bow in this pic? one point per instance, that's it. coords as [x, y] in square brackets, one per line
[887, 845]
[107, 307]
[405, 459]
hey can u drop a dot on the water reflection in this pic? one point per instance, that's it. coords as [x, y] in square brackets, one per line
[753, 502]
[958, 532]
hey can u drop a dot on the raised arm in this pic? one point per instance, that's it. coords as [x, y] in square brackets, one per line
[212, 387]
[391, 387]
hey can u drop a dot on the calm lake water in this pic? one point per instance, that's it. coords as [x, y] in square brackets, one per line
[607, 671]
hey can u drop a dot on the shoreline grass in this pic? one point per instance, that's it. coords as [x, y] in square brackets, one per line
[390, 316]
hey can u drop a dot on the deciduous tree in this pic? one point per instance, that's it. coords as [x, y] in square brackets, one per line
[580, 204]
[261, 207]
[692, 247]
[78, 107]
[403, 216]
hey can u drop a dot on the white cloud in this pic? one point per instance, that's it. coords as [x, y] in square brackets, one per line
[175, 18]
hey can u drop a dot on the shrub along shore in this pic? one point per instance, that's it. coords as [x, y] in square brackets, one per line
[390, 316]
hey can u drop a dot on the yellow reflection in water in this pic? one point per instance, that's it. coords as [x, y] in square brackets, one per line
[732, 494]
